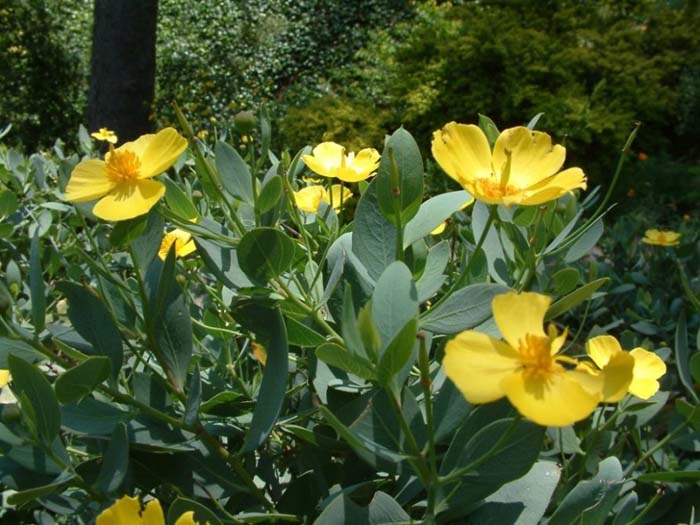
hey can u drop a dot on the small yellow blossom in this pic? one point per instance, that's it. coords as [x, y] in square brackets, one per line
[330, 160]
[548, 388]
[184, 245]
[202, 134]
[259, 352]
[122, 181]
[106, 135]
[522, 169]
[4, 377]
[308, 199]
[662, 238]
[127, 511]
[648, 367]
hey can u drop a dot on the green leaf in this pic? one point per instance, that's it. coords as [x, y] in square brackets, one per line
[432, 213]
[146, 246]
[565, 280]
[33, 494]
[575, 298]
[169, 323]
[115, 461]
[264, 253]
[489, 128]
[93, 322]
[32, 387]
[394, 301]
[585, 243]
[301, 335]
[335, 355]
[683, 356]
[400, 178]
[223, 263]
[397, 353]
[202, 514]
[590, 501]
[76, 383]
[450, 410]
[270, 194]
[462, 310]
[373, 237]
[194, 398]
[520, 502]
[92, 417]
[126, 231]
[234, 172]
[695, 367]
[274, 381]
[19, 349]
[432, 277]
[36, 287]
[179, 202]
[8, 203]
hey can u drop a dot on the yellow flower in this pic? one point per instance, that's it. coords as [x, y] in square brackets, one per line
[545, 387]
[4, 377]
[184, 245]
[662, 238]
[105, 135]
[648, 367]
[259, 352]
[127, 511]
[522, 169]
[122, 181]
[309, 199]
[329, 160]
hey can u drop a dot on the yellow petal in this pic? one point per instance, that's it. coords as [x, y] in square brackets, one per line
[124, 511]
[554, 187]
[648, 368]
[518, 315]
[4, 377]
[157, 152]
[127, 201]
[153, 514]
[335, 195]
[325, 158]
[360, 167]
[617, 376]
[602, 348]
[184, 245]
[662, 237]
[555, 399]
[308, 199]
[88, 181]
[477, 364]
[463, 152]
[533, 158]
[441, 228]
[187, 519]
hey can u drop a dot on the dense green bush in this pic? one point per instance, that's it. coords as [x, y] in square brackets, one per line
[593, 68]
[41, 93]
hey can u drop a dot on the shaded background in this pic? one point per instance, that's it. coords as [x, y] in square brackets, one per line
[352, 71]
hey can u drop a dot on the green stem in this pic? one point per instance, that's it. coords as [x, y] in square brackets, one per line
[426, 383]
[493, 212]
[686, 287]
[656, 447]
[310, 311]
[647, 508]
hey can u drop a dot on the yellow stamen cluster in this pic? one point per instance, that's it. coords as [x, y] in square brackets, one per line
[123, 166]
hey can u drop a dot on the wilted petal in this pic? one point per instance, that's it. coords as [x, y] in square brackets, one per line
[477, 364]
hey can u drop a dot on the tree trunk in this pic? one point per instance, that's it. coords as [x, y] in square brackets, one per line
[123, 67]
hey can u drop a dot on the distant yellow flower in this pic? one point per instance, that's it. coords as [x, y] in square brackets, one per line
[121, 181]
[329, 160]
[441, 227]
[545, 387]
[662, 238]
[127, 511]
[106, 135]
[259, 352]
[184, 245]
[4, 377]
[308, 199]
[522, 169]
[648, 367]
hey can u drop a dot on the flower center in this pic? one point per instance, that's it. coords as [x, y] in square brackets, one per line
[494, 189]
[535, 355]
[123, 166]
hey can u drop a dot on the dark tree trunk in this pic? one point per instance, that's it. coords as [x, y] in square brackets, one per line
[123, 67]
